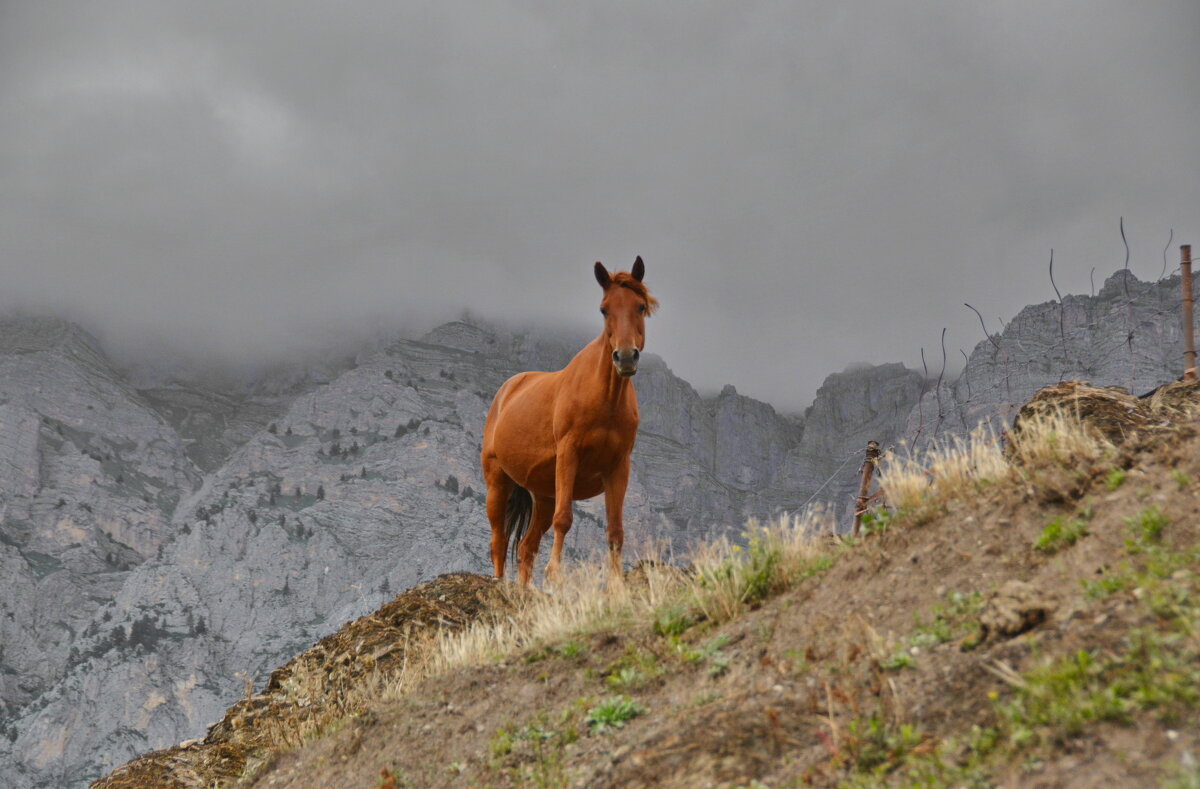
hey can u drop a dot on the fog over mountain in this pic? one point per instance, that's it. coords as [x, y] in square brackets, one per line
[238, 183]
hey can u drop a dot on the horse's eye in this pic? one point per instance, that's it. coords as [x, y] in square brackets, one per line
[641, 309]
[604, 312]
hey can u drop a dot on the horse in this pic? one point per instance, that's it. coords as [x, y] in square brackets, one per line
[552, 438]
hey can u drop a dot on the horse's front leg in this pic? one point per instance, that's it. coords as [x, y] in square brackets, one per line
[566, 466]
[614, 503]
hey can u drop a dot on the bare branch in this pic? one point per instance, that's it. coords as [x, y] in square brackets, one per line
[1062, 331]
[938, 389]
[966, 364]
[1168, 246]
[1007, 386]
[1128, 309]
[921, 400]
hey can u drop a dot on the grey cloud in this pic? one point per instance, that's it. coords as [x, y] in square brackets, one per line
[810, 184]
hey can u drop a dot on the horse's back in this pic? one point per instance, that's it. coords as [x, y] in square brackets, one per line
[521, 387]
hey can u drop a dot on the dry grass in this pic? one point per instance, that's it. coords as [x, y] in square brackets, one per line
[722, 580]
[727, 578]
[948, 470]
[1059, 437]
[582, 602]
[1052, 450]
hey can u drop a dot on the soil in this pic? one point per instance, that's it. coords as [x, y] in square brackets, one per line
[783, 696]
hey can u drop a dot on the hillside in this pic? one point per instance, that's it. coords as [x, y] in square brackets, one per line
[167, 535]
[1024, 617]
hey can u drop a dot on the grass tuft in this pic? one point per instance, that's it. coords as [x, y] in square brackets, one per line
[1060, 533]
[612, 713]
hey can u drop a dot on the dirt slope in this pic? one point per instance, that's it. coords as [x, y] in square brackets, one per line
[1037, 633]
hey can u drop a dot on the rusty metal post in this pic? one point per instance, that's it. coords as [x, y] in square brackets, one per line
[868, 469]
[1189, 340]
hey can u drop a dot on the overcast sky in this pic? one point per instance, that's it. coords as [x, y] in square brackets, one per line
[810, 184]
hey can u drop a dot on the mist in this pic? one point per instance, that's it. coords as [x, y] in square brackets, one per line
[810, 185]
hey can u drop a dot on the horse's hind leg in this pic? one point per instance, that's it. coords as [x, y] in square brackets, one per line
[499, 488]
[527, 551]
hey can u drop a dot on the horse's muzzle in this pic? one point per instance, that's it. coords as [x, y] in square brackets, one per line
[626, 362]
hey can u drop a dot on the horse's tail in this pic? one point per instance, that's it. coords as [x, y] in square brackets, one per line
[516, 518]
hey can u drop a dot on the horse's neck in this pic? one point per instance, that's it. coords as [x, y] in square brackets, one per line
[593, 364]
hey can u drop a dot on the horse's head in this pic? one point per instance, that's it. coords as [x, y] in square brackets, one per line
[625, 305]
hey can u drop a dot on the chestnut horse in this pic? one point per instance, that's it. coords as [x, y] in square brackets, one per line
[553, 438]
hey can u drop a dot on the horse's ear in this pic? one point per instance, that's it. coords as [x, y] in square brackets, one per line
[602, 275]
[639, 269]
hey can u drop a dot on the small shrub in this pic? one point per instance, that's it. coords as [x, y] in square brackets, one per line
[625, 679]
[1147, 526]
[1115, 477]
[501, 743]
[569, 649]
[674, 621]
[1060, 533]
[877, 521]
[612, 713]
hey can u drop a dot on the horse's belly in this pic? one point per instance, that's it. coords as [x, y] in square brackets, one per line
[587, 487]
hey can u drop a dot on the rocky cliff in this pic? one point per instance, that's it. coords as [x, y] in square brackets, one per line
[1129, 334]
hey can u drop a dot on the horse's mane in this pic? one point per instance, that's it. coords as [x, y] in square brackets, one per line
[626, 280]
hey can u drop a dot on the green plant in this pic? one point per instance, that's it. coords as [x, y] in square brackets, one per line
[1181, 479]
[625, 679]
[675, 621]
[612, 713]
[501, 743]
[877, 521]
[1115, 477]
[709, 652]
[899, 660]
[569, 649]
[633, 669]
[1146, 527]
[950, 619]
[876, 748]
[1060, 533]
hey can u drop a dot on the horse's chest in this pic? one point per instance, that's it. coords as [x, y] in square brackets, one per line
[603, 444]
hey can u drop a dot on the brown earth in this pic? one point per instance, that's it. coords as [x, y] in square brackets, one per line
[794, 692]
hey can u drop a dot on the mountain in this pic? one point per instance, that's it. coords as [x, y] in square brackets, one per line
[1129, 334]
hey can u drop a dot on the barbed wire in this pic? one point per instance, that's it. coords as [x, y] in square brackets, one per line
[837, 471]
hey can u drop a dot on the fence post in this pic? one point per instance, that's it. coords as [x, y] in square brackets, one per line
[868, 468]
[1189, 340]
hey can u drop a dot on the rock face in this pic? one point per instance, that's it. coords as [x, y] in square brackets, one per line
[1129, 334]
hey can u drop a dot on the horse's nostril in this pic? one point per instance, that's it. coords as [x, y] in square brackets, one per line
[635, 354]
[616, 356]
